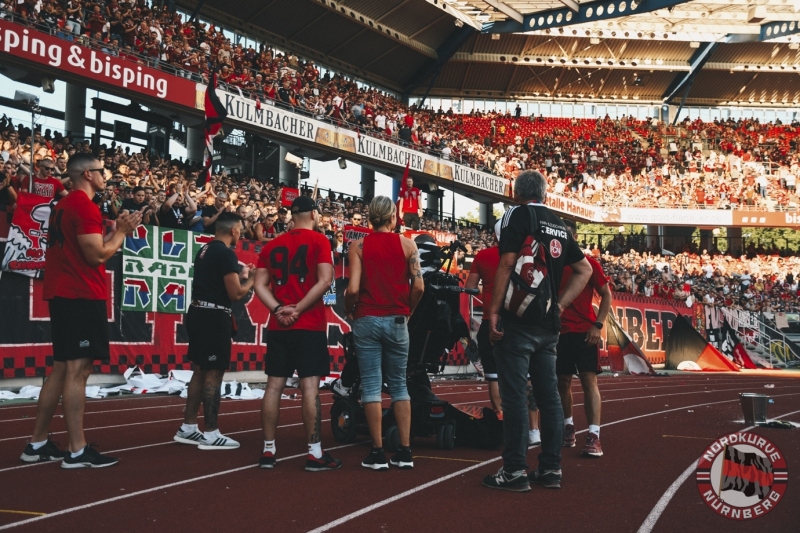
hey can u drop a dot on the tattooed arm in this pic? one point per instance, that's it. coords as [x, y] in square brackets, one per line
[414, 271]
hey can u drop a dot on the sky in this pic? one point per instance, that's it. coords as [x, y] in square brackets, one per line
[347, 181]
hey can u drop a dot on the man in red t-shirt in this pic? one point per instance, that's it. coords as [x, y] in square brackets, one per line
[484, 268]
[409, 205]
[577, 352]
[294, 271]
[75, 285]
[44, 184]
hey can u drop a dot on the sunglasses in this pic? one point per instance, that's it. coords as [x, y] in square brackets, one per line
[46, 168]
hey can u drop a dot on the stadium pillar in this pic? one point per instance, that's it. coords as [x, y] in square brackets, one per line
[706, 239]
[75, 112]
[735, 242]
[653, 234]
[433, 204]
[367, 183]
[486, 214]
[287, 172]
[396, 189]
[195, 144]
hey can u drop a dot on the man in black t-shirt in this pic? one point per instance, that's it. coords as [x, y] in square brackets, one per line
[527, 343]
[217, 282]
[212, 212]
[138, 203]
[179, 208]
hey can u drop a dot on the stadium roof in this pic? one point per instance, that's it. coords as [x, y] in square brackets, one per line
[725, 51]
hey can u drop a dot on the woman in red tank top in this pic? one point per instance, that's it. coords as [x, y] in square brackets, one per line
[385, 287]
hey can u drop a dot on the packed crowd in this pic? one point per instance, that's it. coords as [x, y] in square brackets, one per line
[764, 282]
[610, 162]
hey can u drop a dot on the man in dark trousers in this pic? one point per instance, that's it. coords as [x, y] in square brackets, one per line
[75, 286]
[577, 352]
[525, 337]
[294, 272]
[218, 281]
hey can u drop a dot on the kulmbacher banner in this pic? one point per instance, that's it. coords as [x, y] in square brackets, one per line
[157, 269]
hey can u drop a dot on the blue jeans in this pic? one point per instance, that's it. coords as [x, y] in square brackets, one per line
[522, 350]
[382, 350]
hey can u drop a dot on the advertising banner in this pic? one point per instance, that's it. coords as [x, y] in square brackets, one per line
[766, 219]
[288, 194]
[27, 235]
[69, 56]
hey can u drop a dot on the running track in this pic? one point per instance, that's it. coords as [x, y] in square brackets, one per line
[654, 428]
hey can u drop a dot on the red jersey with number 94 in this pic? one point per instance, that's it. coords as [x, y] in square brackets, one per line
[292, 261]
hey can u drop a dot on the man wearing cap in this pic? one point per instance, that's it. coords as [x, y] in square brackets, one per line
[294, 271]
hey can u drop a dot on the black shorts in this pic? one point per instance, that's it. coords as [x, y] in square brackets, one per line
[301, 350]
[209, 333]
[574, 356]
[79, 329]
[486, 352]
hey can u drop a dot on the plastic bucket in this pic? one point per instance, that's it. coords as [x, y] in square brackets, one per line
[754, 407]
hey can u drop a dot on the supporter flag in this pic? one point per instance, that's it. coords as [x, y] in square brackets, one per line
[746, 472]
[684, 343]
[215, 115]
[732, 347]
[353, 233]
[623, 353]
[27, 235]
[288, 194]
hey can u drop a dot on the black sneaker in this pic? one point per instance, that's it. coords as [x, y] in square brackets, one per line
[550, 479]
[89, 458]
[267, 460]
[48, 452]
[513, 481]
[402, 459]
[376, 460]
[326, 462]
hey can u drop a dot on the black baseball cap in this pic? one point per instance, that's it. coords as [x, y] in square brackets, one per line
[303, 204]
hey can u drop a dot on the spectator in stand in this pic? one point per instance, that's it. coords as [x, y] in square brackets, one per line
[44, 184]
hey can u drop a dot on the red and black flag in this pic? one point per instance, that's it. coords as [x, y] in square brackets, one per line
[733, 348]
[748, 473]
[623, 353]
[684, 343]
[215, 114]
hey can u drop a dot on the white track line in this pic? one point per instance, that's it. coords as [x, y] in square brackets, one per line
[330, 524]
[151, 446]
[484, 391]
[651, 396]
[155, 422]
[387, 501]
[154, 489]
[661, 505]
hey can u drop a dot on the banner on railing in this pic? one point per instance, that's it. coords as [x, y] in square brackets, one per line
[27, 235]
[157, 269]
[155, 341]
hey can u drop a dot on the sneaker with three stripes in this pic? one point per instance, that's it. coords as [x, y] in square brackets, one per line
[188, 437]
[217, 442]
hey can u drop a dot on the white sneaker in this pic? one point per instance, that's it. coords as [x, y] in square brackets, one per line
[340, 389]
[188, 437]
[221, 442]
[534, 437]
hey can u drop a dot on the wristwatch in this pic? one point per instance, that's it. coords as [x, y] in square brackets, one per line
[598, 325]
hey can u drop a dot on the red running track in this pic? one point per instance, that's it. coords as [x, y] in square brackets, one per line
[653, 429]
